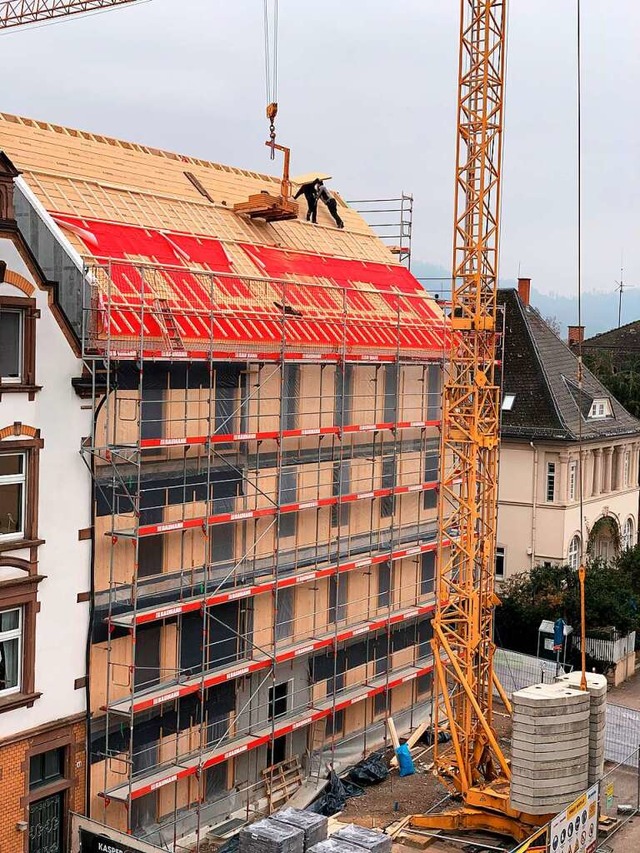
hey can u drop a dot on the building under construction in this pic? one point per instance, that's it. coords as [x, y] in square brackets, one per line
[265, 460]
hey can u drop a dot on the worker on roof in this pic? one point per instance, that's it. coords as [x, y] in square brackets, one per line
[310, 192]
[332, 204]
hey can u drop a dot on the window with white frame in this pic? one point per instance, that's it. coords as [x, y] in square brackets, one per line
[13, 480]
[551, 481]
[574, 552]
[627, 468]
[601, 408]
[10, 650]
[573, 479]
[628, 534]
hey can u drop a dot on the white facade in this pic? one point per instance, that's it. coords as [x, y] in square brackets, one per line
[539, 494]
[63, 509]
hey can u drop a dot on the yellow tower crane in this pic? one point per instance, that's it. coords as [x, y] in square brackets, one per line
[472, 762]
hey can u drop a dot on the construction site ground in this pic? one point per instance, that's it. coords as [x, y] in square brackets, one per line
[384, 804]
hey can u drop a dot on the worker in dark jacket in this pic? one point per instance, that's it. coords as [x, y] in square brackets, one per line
[332, 204]
[310, 192]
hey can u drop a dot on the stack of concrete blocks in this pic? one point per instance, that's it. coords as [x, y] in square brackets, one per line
[334, 845]
[365, 839]
[549, 748]
[597, 687]
[269, 836]
[313, 825]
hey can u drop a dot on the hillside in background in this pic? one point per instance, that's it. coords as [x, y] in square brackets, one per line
[599, 309]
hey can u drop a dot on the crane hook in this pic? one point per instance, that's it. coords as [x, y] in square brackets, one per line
[272, 112]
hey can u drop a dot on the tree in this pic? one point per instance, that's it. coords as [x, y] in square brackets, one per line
[550, 592]
[554, 324]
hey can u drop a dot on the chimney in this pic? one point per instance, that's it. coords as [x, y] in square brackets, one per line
[575, 336]
[524, 289]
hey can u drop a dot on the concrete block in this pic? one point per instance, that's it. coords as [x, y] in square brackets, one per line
[523, 715]
[596, 683]
[557, 772]
[532, 764]
[549, 796]
[546, 696]
[552, 731]
[521, 742]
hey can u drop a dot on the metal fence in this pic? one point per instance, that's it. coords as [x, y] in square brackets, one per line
[622, 734]
[619, 802]
[517, 671]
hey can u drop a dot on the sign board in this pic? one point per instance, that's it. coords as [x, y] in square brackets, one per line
[89, 836]
[575, 830]
[609, 792]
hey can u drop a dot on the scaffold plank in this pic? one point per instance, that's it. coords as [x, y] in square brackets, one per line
[236, 746]
[189, 605]
[266, 435]
[263, 512]
[169, 692]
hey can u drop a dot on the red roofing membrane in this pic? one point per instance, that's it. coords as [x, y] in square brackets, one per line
[317, 302]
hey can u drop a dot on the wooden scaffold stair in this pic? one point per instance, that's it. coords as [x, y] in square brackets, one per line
[282, 781]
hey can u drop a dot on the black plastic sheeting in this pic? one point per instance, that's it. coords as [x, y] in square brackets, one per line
[335, 796]
[370, 771]
[428, 738]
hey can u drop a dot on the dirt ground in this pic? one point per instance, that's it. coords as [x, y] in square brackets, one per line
[396, 798]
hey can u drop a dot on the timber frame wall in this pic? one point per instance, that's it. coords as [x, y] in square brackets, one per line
[265, 536]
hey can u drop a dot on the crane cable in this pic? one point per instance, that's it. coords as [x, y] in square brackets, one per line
[271, 15]
[581, 568]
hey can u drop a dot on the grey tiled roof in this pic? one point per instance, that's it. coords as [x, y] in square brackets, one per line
[542, 372]
[625, 338]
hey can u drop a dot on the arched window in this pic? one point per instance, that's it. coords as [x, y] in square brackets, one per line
[574, 552]
[628, 534]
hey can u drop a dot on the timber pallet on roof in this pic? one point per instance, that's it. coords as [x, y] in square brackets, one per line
[241, 515]
[154, 614]
[239, 668]
[272, 434]
[284, 725]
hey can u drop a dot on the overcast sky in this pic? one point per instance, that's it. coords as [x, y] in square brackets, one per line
[368, 92]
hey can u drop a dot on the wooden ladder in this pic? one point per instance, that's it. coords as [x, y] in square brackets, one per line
[281, 781]
[171, 332]
[318, 738]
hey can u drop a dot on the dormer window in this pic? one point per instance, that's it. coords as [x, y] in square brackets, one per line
[601, 408]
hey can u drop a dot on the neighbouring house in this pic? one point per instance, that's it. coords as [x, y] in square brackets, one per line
[261, 403]
[614, 357]
[550, 434]
[45, 544]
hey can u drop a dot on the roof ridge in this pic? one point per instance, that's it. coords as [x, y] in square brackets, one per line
[133, 146]
[612, 331]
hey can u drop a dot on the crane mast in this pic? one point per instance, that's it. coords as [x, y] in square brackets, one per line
[15, 13]
[463, 625]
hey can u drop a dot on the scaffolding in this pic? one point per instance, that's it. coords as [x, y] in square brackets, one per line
[392, 221]
[265, 535]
